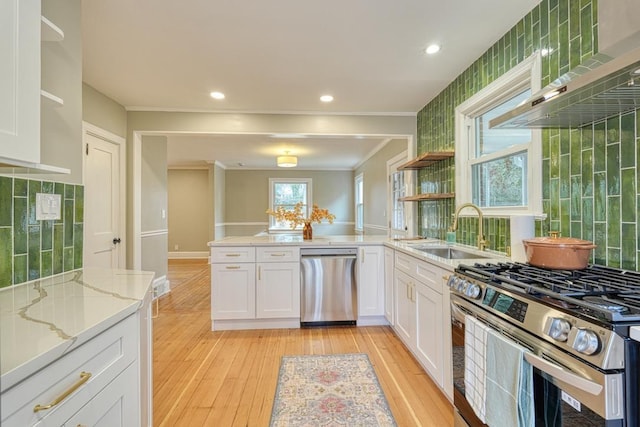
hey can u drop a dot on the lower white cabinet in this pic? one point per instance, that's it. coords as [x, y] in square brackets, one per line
[233, 291]
[370, 282]
[389, 297]
[278, 290]
[422, 315]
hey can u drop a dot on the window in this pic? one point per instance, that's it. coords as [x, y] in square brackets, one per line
[359, 201]
[499, 169]
[286, 193]
[397, 206]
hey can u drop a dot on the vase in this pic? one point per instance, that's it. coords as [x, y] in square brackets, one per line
[307, 231]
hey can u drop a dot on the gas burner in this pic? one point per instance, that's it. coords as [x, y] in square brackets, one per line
[605, 304]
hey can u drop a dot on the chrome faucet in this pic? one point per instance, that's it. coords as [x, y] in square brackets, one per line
[482, 243]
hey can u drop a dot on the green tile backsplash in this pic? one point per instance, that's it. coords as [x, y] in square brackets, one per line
[589, 175]
[32, 249]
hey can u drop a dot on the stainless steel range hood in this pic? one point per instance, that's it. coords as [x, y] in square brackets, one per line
[599, 88]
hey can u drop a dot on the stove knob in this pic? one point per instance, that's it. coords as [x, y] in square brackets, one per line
[472, 291]
[586, 342]
[461, 285]
[452, 281]
[559, 329]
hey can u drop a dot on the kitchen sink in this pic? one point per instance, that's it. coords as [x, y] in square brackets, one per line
[449, 253]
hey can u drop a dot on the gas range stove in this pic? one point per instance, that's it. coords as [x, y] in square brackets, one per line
[586, 313]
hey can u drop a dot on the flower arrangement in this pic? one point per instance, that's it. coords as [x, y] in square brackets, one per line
[295, 217]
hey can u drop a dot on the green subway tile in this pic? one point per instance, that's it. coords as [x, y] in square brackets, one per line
[587, 137]
[554, 199]
[599, 147]
[34, 252]
[628, 249]
[574, 19]
[628, 195]
[613, 129]
[544, 17]
[599, 197]
[565, 141]
[68, 259]
[587, 173]
[563, 39]
[586, 31]
[20, 187]
[58, 188]
[47, 187]
[613, 257]
[546, 144]
[47, 235]
[68, 223]
[565, 217]
[20, 269]
[6, 257]
[545, 177]
[79, 204]
[6, 201]
[46, 266]
[587, 218]
[576, 198]
[77, 246]
[576, 151]
[563, 11]
[600, 239]
[565, 180]
[613, 221]
[19, 225]
[628, 141]
[554, 165]
[34, 188]
[58, 246]
[69, 191]
[576, 229]
[613, 169]
[575, 52]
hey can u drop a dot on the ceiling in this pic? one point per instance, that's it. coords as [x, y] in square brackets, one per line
[279, 56]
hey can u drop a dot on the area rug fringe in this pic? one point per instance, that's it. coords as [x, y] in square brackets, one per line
[329, 391]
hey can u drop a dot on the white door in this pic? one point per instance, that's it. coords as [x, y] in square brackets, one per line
[397, 188]
[102, 195]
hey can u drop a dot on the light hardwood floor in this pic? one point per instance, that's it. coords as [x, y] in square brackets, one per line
[205, 378]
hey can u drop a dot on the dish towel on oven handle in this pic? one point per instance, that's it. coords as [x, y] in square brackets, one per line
[509, 384]
[475, 343]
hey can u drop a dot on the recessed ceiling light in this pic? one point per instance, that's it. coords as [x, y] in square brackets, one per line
[431, 49]
[326, 98]
[217, 95]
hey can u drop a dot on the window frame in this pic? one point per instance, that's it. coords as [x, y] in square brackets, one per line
[309, 202]
[526, 74]
[358, 201]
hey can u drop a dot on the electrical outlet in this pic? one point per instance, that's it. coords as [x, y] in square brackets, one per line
[48, 206]
[176, 247]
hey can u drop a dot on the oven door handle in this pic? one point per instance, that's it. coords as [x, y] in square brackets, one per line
[563, 375]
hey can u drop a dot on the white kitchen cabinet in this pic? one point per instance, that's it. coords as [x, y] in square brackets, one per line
[233, 291]
[114, 406]
[278, 290]
[429, 330]
[405, 309]
[370, 284]
[388, 285]
[20, 81]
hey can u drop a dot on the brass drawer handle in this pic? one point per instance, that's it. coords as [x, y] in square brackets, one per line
[84, 377]
[277, 254]
[232, 254]
[232, 267]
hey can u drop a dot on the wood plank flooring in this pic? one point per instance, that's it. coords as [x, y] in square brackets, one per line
[228, 378]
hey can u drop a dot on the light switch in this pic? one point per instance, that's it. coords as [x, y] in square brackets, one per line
[48, 206]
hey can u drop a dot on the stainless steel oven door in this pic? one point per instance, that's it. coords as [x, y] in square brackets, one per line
[583, 391]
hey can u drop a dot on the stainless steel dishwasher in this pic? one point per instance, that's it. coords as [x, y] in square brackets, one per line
[329, 289]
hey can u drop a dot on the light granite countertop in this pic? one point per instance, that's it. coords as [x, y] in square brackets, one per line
[411, 247]
[44, 319]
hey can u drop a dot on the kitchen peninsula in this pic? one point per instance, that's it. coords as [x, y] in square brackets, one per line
[76, 348]
[399, 283]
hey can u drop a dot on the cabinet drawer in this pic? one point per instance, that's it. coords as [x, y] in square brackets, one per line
[404, 263]
[104, 357]
[232, 254]
[424, 272]
[278, 254]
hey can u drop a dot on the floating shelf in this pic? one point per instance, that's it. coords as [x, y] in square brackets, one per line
[50, 32]
[427, 159]
[51, 98]
[427, 196]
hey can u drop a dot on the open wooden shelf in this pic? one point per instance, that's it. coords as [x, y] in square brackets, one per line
[427, 196]
[427, 159]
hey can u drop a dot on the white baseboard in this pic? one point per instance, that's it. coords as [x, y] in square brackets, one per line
[161, 286]
[190, 255]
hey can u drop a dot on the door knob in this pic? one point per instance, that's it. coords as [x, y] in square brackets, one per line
[116, 240]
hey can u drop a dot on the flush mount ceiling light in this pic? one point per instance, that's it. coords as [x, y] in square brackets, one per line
[287, 161]
[217, 95]
[431, 49]
[326, 98]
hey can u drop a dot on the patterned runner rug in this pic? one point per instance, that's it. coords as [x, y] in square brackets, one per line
[329, 391]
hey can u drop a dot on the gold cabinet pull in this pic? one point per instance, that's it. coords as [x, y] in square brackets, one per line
[232, 255]
[84, 377]
[232, 267]
[277, 254]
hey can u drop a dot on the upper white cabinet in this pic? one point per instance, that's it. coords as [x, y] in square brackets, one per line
[20, 80]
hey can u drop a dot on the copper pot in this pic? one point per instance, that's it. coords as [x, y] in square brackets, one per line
[558, 253]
